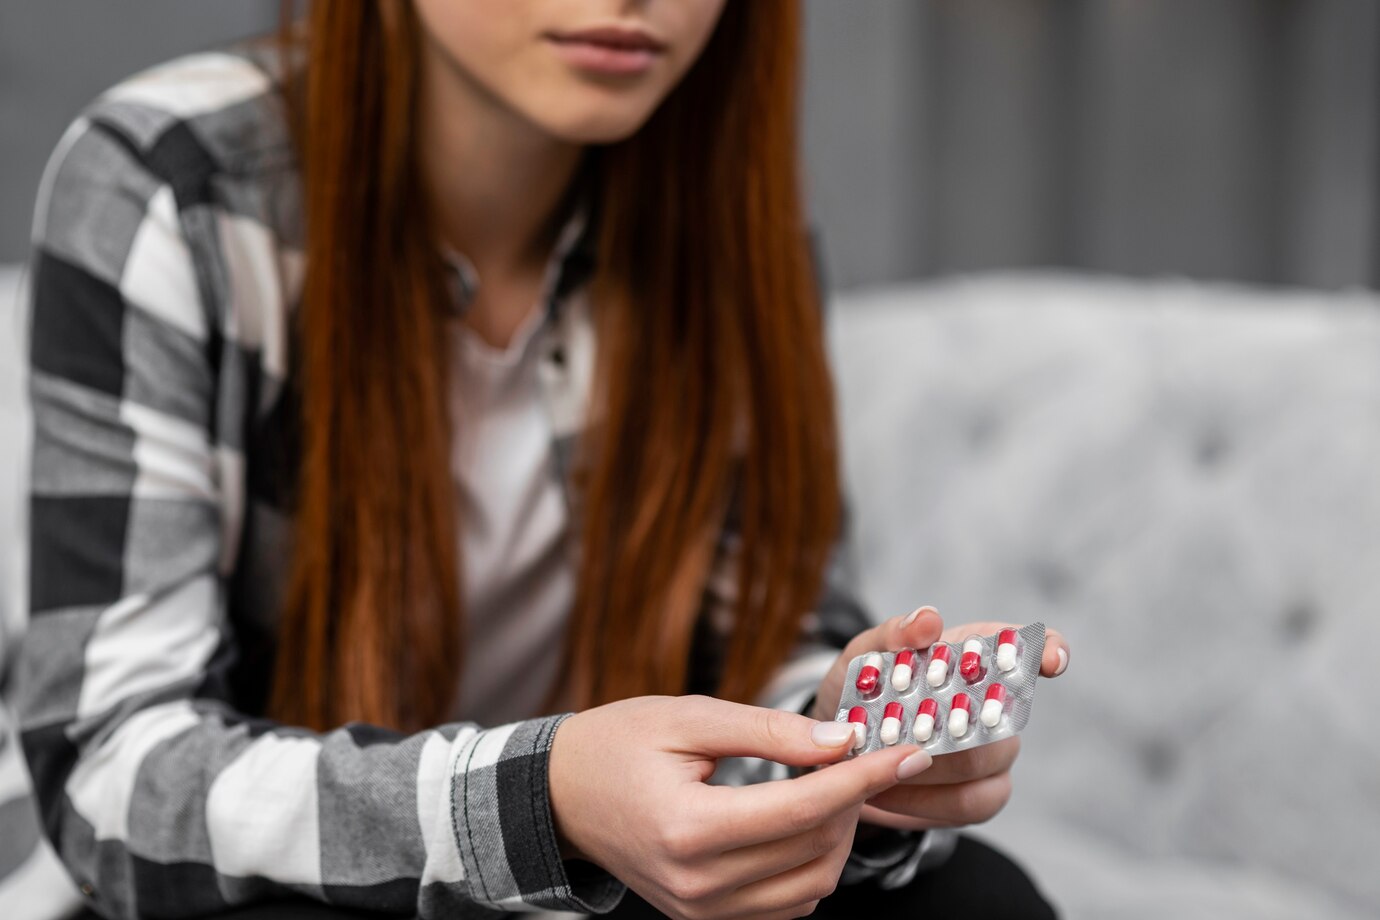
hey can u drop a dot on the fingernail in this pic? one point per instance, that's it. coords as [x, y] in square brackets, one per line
[831, 734]
[910, 617]
[1063, 662]
[915, 764]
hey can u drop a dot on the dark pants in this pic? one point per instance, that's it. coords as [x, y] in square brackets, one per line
[977, 883]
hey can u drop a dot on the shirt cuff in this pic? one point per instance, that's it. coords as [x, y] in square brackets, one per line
[501, 818]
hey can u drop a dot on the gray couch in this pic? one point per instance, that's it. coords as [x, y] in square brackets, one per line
[1184, 479]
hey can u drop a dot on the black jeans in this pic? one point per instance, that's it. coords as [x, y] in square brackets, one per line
[977, 883]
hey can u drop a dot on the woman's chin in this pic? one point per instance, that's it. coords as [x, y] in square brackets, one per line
[607, 122]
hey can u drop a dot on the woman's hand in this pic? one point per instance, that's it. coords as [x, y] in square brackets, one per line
[967, 787]
[628, 793]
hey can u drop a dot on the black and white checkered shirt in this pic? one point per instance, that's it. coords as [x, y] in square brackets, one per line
[167, 262]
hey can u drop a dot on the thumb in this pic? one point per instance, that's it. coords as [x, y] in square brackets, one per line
[717, 728]
[920, 628]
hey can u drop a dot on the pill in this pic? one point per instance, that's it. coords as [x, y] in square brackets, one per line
[970, 665]
[891, 723]
[958, 715]
[858, 716]
[938, 671]
[924, 719]
[903, 670]
[1006, 650]
[870, 673]
[992, 705]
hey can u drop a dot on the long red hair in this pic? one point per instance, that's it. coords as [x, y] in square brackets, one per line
[712, 392]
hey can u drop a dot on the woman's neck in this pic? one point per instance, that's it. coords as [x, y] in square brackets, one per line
[497, 183]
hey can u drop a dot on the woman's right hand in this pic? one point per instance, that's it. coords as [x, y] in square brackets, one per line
[628, 793]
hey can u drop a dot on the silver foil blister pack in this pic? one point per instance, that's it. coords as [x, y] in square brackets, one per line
[950, 683]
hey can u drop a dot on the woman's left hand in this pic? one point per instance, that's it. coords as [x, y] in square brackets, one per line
[967, 787]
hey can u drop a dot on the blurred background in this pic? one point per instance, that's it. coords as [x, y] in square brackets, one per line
[1108, 355]
[1222, 139]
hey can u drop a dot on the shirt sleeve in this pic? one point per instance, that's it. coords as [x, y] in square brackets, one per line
[160, 797]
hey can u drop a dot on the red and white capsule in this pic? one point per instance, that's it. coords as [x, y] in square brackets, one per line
[924, 719]
[870, 673]
[891, 723]
[960, 710]
[993, 705]
[903, 670]
[857, 716]
[938, 671]
[1006, 650]
[970, 665]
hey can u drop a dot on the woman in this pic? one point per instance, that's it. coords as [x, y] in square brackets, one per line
[461, 367]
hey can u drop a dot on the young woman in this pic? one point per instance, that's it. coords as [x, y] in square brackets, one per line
[458, 364]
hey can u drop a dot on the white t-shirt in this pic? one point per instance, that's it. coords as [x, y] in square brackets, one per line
[518, 582]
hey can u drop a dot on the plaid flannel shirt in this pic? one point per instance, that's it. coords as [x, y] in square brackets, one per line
[167, 261]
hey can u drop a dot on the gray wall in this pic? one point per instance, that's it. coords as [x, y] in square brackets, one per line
[56, 55]
[1212, 138]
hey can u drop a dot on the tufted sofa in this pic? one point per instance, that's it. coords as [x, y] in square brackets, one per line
[1186, 480]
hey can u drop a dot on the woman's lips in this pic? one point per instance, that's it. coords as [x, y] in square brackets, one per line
[610, 51]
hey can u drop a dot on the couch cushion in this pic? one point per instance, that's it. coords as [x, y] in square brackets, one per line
[1183, 478]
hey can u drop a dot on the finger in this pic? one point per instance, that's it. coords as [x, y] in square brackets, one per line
[745, 865]
[871, 814]
[949, 806]
[974, 763]
[771, 811]
[717, 728]
[917, 629]
[1055, 660]
[805, 884]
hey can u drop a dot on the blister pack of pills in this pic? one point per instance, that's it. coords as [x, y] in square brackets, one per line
[947, 697]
